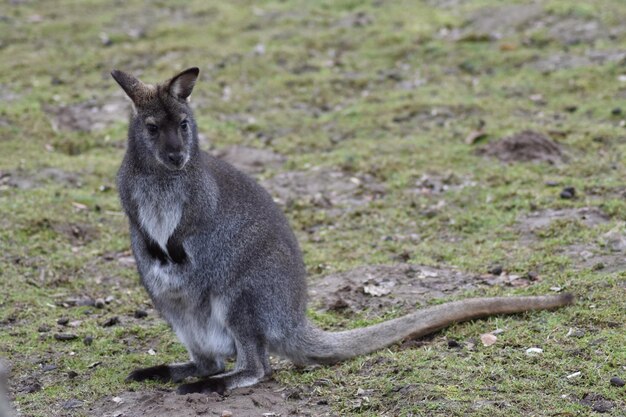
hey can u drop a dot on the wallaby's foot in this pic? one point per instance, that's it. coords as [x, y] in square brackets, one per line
[222, 383]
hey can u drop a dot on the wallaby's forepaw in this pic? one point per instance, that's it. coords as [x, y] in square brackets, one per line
[158, 373]
[204, 386]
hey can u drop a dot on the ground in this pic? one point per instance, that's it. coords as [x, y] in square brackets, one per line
[423, 151]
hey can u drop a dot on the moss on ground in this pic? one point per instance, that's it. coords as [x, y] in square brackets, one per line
[390, 89]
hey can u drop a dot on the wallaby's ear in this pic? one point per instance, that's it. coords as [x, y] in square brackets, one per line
[181, 85]
[131, 85]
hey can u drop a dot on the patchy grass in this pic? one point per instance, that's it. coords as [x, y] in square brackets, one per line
[385, 89]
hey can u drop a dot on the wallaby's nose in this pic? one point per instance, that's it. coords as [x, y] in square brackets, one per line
[176, 158]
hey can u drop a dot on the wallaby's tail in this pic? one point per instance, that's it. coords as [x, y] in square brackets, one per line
[318, 346]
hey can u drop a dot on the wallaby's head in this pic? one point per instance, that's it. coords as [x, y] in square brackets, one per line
[162, 127]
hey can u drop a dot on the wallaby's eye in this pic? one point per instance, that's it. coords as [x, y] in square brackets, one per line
[184, 125]
[152, 129]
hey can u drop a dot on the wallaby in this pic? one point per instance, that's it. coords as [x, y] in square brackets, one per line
[221, 263]
[5, 405]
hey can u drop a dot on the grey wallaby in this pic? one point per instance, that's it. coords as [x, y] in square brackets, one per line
[221, 263]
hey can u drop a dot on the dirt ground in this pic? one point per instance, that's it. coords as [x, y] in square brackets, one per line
[422, 151]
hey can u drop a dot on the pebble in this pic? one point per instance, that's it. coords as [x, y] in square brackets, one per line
[63, 321]
[534, 351]
[48, 368]
[73, 403]
[616, 111]
[453, 344]
[111, 322]
[88, 340]
[603, 406]
[532, 275]
[72, 374]
[139, 314]
[617, 382]
[99, 303]
[65, 336]
[568, 193]
[496, 270]
[43, 328]
[226, 413]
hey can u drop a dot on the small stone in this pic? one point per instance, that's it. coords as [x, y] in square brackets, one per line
[48, 368]
[453, 344]
[616, 111]
[43, 328]
[617, 382]
[140, 314]
[568, 193]
[88, 340]
[226, 413]
[496, 270]
[488, 339]
[63, 321]
[571, 109]
[602, 406]
[99, 303]
[109, 299]
[534, 351]
[72, 374]
[533, 275]
[65, 336]
[111, 322]
[73, 403]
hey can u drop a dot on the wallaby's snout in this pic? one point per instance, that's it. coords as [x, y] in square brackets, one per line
[176, 158]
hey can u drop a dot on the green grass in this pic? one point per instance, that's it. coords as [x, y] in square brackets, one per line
[327, 91]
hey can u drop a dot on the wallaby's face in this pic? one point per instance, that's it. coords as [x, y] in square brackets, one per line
[162, 124]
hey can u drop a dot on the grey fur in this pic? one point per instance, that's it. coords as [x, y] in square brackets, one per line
[221, 263]
[5, 406]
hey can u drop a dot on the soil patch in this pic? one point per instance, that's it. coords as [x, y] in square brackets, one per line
[589, 256]
[535, 221]
[562, 61]
[251, 160]
[24, 180]
[435, 184]
[573, 30]
[374, 289]
[265, 399]
[89, 116]
[325, 189]
[496, 22]
[492, 23]
[524, 146]
[77, 233]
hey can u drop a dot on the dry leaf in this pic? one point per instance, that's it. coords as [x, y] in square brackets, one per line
[474, 136]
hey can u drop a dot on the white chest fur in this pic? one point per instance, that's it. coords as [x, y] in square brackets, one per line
[159, 212]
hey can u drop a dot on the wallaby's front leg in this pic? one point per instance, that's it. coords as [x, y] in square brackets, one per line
[252, 366]
[176, 372]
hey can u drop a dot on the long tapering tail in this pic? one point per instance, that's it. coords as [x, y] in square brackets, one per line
[318, 346]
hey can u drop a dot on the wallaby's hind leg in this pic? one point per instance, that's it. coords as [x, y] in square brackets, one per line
[176, 372]
[251, 367]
